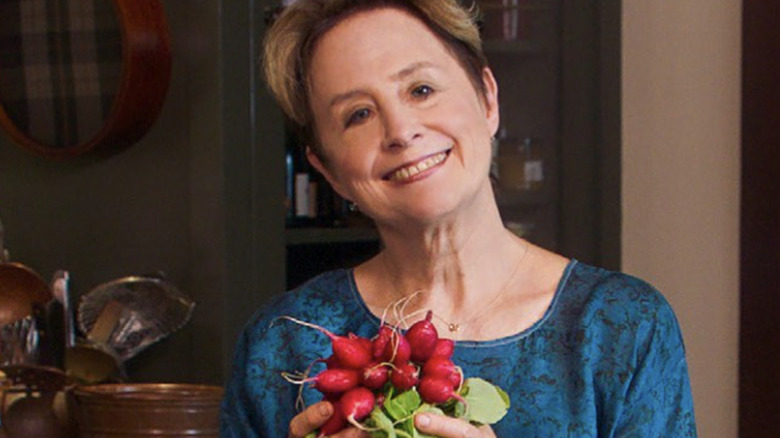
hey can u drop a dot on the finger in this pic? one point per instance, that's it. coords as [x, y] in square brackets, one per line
[446, 427]
[310, 419]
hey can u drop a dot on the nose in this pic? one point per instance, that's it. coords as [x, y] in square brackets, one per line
[401, 126]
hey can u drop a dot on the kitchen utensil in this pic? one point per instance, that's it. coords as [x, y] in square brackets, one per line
[4, 256]
[21, 292]
[33, 416]
[35, 378]
[148, 409]
[89, 363]
[23, 296]
[106, 323]
[92, 360]
[19, 342]
[60, 289]
[151, 309]
[29, 407]
[83, 361]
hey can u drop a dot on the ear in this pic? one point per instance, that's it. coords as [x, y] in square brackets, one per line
[322, 168]
[491, 100]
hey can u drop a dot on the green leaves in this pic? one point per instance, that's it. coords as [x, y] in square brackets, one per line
[485, 404]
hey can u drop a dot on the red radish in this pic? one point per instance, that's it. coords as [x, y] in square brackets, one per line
[375, 376]
[357, 403]
[380, 342]
[336, 423]
[405, 376]
[331, 396]
[422, 336]
[444, 348]
[337, 380]
[332, 362]
[350, 352]
[456, 378]
[398, 351]
[438, 366]
[437, 390]
[380, 399]
[367, 344]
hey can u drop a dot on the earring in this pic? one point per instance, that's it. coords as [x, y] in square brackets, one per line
[353, 207]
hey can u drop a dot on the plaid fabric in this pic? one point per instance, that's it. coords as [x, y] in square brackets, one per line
[60, 67]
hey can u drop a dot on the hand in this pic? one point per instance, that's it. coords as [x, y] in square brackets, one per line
[315, 416]
[448, 427]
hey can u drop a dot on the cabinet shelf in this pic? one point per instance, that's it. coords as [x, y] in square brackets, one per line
[524, 198]
[518, 47]
[326, 235]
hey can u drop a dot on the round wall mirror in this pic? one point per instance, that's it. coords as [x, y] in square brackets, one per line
[80, 75]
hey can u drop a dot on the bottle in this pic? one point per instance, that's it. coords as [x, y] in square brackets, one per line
[533, 165]
[300, 188]
[520, 165]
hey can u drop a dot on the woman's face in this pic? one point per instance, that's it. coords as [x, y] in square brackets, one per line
[403, 131]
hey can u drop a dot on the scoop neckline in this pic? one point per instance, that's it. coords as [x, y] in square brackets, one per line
[480, 344]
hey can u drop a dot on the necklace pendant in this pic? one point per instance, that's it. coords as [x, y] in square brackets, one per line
[453, 327]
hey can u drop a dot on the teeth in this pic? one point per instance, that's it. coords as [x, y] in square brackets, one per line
[414, 169]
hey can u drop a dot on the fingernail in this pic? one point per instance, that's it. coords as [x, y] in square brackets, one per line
[423, 420]
[325, 409]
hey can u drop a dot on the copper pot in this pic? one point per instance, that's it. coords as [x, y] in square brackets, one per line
[147, 409]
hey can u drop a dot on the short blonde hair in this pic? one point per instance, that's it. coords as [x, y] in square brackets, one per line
[290, 42]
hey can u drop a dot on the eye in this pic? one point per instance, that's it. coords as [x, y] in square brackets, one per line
[357, 116]
[422, 91]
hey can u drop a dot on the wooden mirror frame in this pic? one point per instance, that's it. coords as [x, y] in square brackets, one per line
[143, 83]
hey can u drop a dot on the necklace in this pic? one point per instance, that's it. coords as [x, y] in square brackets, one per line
[455, 326]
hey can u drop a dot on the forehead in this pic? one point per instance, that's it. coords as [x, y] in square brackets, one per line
[383, 39]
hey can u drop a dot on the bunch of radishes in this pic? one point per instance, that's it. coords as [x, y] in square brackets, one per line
[362, 373]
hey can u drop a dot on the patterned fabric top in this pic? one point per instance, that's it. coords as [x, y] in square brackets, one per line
[606, 360]
[60, 67]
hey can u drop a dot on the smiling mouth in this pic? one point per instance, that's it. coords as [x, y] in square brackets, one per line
[409, 172]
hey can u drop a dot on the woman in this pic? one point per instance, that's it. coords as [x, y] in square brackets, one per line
[399, 107]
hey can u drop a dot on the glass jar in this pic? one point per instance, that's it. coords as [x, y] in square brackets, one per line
[520, 164]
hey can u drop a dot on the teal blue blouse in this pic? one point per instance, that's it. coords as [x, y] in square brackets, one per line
[606, 360]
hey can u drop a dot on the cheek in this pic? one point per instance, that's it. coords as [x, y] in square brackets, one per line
[353, 155]
[467, 115]
[352, 167]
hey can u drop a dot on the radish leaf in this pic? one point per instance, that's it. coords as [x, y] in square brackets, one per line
[402, 405]
[380, 421]
[487, 403]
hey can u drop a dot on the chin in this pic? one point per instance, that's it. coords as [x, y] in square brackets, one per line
[432, 211]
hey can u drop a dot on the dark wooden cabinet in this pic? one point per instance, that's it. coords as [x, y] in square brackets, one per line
[759, 334]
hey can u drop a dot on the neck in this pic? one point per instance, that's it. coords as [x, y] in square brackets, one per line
[453, 267]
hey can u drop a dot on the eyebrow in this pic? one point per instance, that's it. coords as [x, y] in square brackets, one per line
[411, 69]
[403, 73]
